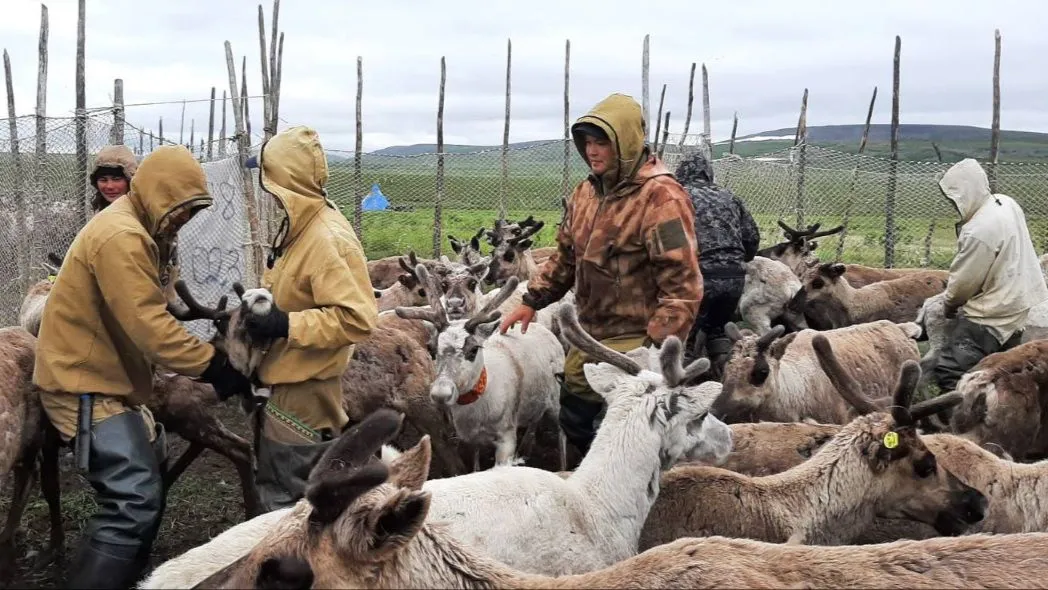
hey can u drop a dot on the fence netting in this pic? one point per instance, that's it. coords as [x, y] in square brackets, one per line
[892, 211]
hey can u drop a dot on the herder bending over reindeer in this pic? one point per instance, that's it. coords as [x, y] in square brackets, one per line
[627, 244]
[324, 304]
[995, 277]
[105, 326]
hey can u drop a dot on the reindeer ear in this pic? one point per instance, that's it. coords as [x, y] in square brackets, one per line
[837, 270]
[484, 331]
[603, 378]
[455, 244]
[525, 244]
[397, 520]
[285, 572]
[410, 469]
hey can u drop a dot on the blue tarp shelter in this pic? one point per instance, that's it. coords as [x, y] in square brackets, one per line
[375, 201]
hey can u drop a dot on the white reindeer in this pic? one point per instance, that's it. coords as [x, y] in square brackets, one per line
[491, 383]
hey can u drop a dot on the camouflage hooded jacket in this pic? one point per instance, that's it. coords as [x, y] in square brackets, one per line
[727, 234]
[629, 249]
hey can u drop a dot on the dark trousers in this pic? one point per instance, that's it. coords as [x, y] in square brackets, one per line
[720, 299]
[965, 346]
[126, 472]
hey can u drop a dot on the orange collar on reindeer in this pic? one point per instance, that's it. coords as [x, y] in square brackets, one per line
[478, 390]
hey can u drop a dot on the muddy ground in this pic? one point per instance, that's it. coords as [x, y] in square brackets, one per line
[205, 501]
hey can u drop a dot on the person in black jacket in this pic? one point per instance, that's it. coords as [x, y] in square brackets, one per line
[728, 238]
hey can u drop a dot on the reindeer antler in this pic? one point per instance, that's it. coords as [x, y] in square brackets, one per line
[196, 311]
[825, 232]
[490, 311]
[528, 231]
[671, 359]
[435, 313]
[569, 325]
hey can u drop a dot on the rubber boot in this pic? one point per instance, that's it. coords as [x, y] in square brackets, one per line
[124, 471]
[283, 471]
[719, 350]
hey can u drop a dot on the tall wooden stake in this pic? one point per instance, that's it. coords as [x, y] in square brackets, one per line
[706, 131]
[254, 254]
[658, 121]
[734, 128]
[802, 139]
[565, 185]
[266, 93]
[211, 127]
[855, 178]
[889, 201]
[438, 220]
[41, 110]
[81, 110]
[995, 125]
[691, 100]
[665, 135]
[222, 132]
[644, 87]
[182, 125]
[22, 211]
[504, 186]
[358, 154]
[116, 133]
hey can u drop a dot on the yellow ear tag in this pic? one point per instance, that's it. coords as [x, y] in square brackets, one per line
[891, 440]
[52, 278]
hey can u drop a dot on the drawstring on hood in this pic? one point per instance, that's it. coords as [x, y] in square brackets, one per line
[293, 168]
[621, 119]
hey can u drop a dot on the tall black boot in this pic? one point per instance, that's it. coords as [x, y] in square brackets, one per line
[719, 350]
[283, 470]
[125, 474]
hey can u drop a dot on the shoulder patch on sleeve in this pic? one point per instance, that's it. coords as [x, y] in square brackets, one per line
[671, 235]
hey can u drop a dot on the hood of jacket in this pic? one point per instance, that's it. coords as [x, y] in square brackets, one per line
[167, 180]
[294, 170]
[116, 156]
[621, 118]
[967, 186]
[695, 170]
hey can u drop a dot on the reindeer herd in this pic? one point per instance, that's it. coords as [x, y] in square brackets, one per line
[812, 463]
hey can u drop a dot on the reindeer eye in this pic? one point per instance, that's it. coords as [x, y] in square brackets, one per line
[818, 283]
[759, 375]
[444, 285]
[472, 284]
[470, 351]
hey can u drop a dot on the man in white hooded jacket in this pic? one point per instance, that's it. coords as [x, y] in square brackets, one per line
[995, 278]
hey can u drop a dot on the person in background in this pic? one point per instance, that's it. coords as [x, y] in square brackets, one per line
[627, 244]
[104, 329]
[111, 175]
[995, 277]
[318, 275]
[728, 239]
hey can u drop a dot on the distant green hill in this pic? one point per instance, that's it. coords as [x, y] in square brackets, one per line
[916, 142]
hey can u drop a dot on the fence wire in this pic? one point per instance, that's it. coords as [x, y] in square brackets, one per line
[41, 201]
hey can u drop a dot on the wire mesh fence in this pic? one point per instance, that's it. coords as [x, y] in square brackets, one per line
[891, 210]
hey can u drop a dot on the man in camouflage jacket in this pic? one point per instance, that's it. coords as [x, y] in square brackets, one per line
[627, 244]
[728, 239]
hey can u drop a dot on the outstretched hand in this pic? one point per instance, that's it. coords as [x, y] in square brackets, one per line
[523, 314]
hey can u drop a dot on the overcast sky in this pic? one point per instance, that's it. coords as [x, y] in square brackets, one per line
[760, 56]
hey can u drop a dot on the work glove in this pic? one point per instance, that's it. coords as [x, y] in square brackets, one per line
[226, 380]
[272, 325]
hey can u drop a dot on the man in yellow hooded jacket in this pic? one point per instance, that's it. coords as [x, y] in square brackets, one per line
[104, 329]
[323, 305]
[627, 244]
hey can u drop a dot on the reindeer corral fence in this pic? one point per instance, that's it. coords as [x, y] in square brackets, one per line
[41, 197]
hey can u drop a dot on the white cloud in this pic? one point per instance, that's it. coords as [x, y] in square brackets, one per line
[760, 55]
